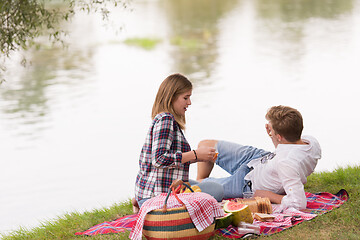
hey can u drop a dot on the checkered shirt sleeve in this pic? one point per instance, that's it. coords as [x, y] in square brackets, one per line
[160, 158]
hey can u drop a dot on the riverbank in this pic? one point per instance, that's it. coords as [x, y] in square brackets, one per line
[341, 223]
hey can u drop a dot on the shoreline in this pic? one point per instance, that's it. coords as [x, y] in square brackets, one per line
[343, 220]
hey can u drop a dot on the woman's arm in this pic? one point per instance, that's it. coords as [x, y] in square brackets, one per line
[188, 157]
[162, 140]
[202, 154]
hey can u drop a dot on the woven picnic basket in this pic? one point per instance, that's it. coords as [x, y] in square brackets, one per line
[173, 223]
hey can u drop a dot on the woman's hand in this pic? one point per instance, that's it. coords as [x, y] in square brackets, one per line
[206, 154]
[202, 154]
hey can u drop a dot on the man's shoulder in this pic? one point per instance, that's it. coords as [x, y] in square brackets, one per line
[309, 139]
[314, 146]
[295, 154]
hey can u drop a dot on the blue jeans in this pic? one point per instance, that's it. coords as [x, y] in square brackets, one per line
[212, 188]
[234, 158]
[140, 202]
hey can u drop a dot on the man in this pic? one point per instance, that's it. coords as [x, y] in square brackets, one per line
[281, 175]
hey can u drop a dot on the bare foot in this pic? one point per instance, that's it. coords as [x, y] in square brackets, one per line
[135, 206]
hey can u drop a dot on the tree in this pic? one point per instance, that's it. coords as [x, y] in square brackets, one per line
[22, 21]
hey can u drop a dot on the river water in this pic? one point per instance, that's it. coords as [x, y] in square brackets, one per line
[73, 122]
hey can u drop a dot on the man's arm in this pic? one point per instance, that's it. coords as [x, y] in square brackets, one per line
[293, 186]
[274, 198]
[294, 189]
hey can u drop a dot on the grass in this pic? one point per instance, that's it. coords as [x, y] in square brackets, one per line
[341, 223]
[65, 226]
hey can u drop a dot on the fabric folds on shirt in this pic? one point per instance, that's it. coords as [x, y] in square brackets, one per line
[160, 158]
[287, 172]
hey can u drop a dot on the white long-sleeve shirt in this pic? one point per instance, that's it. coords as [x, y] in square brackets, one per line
[286, 173]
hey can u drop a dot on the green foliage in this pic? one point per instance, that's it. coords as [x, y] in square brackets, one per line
[145, 43]
[23, 21]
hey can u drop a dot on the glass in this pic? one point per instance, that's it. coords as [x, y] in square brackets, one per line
[248, 194]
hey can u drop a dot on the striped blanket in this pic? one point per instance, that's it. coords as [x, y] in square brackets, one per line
[317, 204]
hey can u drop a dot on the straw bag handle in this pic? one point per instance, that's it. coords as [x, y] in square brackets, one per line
[176, 183]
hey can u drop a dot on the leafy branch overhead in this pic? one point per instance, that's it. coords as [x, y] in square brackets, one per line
[22, 21]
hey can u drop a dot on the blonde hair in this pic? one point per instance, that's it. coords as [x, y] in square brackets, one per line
[168, 92]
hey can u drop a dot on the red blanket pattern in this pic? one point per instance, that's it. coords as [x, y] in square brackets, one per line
[317, 204]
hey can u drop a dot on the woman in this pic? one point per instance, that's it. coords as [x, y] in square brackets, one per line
[166, 154]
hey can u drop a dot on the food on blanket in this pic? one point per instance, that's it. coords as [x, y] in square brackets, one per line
[252, 203]
[257, 204]
[264, 205]
[225, 221]
[240, 211]
[263, 217]
[194, 188]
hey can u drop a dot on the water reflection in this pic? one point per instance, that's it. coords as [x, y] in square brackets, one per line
[300, 10]
[94, 98]
[284, 23]
[194, 28]
[31, 96]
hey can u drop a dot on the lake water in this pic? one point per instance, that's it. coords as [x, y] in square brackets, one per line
[73, 122]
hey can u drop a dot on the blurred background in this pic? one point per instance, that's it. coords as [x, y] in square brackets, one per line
[73, 121]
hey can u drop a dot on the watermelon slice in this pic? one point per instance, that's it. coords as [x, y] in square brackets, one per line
[224, 222]
[241, 212]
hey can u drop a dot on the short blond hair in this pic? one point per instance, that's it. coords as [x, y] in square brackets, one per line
[168, 92]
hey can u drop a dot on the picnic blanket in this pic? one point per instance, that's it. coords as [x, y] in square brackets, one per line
[117, 226]
[317, 204]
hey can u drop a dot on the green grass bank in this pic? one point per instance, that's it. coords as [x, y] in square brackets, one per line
[341, 223]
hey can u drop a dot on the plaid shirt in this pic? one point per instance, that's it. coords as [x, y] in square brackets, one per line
[160, 158]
